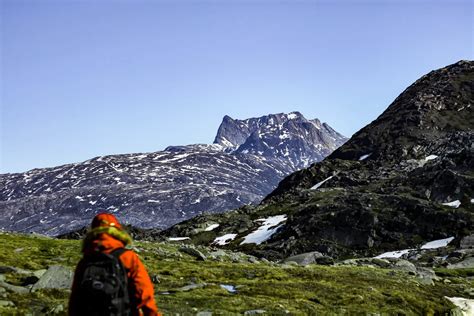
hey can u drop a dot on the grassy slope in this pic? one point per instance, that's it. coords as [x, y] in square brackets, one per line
[274, 288]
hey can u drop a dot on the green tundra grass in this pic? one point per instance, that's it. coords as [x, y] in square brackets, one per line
[277, 289]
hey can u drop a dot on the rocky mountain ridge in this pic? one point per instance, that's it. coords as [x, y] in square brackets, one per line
[292, 136]
[153, 189]
[405, 178]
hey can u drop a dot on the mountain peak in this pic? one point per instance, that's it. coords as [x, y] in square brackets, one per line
[289, 136]
[439, 105]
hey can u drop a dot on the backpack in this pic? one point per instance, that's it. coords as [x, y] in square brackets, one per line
[103, 288]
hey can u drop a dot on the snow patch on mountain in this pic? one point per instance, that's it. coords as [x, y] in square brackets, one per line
[224, 240]
[268, 227]
[453, 204]
[319, 184]
[437, 243]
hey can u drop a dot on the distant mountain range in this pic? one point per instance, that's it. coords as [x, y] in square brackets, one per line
[245, 163]
[406, 178]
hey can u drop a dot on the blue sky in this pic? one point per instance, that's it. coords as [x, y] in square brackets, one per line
[86, 78]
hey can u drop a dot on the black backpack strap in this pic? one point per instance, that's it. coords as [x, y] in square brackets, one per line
[118, 252]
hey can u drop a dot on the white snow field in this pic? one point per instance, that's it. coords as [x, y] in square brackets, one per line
[269, 226]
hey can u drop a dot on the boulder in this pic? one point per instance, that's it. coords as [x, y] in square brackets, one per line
[3, 292]
[464, 306]
[467, 242]
[255, 312]
[193, 252]
[7, 269]
[218, 254]
[191, 287]
[14, 288]
[465, 264]
[58, 309]
[305, 258]
[237, 257]
[369, 262]
[56, 277]
[382, 263]
[4, 303]
[39, 273]
[404, 265]
[426, 276]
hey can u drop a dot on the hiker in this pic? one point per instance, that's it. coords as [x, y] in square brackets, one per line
[110, 279]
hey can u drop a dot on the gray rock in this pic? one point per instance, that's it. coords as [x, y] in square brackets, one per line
[3, 292]
[193, 252]
[4, 303]
[56, 277]
[467, 242]
[464, 306]
[237, 258]
[14, 288]
[404, 265]
[58, 309]
[7, 269]
[204, 313]
[39, 273]
[426, 276]
[349, 262]
[218, 255]
[381, 262]
[371, 262]
[255, 312]
[191, 287]
[155, 278]
[305, 258]
[465, 264]
[469, 291]
[325, 261]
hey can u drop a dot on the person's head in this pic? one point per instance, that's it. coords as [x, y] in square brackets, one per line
[106, 224]
[105, 220]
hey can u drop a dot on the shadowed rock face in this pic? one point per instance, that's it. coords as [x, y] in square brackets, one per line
[162, 188]
[405, 178]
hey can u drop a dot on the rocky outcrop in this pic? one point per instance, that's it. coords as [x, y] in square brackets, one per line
[56, 277]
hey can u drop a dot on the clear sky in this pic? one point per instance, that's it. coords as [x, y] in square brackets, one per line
[81, 79]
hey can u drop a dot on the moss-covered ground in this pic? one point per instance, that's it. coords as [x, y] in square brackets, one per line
[277, 289]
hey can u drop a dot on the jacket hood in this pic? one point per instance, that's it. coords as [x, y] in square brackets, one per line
[105, 239]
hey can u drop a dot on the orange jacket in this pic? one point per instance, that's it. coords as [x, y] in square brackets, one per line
[140, 286]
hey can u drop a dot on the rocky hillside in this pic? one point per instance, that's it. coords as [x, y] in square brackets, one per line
[406, 178]
[36, 274]
[162, 188]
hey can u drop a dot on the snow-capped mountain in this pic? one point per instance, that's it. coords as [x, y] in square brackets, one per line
[290, 136]
[162, 188]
